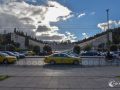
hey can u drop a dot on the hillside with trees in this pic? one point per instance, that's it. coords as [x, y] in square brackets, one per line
[115, 32]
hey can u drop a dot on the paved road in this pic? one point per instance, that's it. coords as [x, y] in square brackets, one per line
[59, 77]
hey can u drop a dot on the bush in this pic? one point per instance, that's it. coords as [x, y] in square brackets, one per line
[10, 47]
[47, 49]
[87, 48]
[113, 48]
[2, 47]
[76, 49]
[36, 49]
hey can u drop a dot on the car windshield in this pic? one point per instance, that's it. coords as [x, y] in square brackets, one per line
[4, 54]
[16, 53]
[56, 55]
[64, 55]
[11, 53]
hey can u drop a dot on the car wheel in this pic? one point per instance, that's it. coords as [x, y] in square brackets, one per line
[5, 61]
[52, 62]
[76, 62]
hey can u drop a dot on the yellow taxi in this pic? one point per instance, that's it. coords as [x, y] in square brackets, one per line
[5, 58]
[62, 59]
[30, 53]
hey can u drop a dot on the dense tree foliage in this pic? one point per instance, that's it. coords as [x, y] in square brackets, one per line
[47, 49]
[36, 49]
[113, 48]
[116, 36]
[10, 47]
[87, 48]
[76, 49]
[101, 47]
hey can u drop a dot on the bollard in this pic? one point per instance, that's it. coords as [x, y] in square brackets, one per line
[117, 61]
[99, 61]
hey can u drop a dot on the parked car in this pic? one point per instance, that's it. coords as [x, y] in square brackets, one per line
[23, 52]
[44, 53]
[19, 54]
[90, 54]
[102, 53]
[116, 54]
[5, 58]
[30, 53]
[62, 58]
[11, 54]
[72, 54]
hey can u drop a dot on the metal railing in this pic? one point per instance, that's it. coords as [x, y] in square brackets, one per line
[86, 61]
[99, 61]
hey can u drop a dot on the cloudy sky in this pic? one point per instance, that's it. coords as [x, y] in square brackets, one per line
[58, 20]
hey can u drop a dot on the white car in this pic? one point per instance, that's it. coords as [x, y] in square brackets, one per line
[117, 54]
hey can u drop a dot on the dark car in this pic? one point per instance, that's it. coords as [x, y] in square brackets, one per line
[43, 53]
[19, 54]
[90, 54]
[11, 54]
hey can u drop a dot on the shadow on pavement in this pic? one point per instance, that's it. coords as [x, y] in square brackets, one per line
[71, 66]
[61, 66]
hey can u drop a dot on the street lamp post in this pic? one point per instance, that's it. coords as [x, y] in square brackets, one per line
[5, 39]
[108, 28]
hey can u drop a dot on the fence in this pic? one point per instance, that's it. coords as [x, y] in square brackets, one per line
[86, 61]
[99, 61]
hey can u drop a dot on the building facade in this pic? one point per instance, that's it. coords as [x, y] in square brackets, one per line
[25, 41]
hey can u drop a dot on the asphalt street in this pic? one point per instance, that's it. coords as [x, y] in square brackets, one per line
[58, 77]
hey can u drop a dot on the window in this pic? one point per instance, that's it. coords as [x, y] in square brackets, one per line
[56, 55]
[63, 55]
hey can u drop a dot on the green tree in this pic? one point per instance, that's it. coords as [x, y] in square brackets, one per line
[47, 49]
[36, 49]
[113, 48]
[10, 47]
[1, 47]
[101, 47]
[17, 45]
[109, 43]
[76, 49]
[119, 47]
[87, 48]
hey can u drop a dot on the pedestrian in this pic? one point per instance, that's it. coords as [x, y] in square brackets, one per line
[109, 57]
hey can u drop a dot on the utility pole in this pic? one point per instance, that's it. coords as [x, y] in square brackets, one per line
[108, 41]
[5, 39]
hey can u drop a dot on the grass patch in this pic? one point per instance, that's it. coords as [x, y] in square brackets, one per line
[3, 77]
[118, 77]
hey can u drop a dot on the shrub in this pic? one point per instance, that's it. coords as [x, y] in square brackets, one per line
[76, 49]
[47, 49]
[36, 49]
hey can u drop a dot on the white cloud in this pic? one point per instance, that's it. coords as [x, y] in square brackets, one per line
[112, 24]
[81, 15]
[34, 18]
[56, 12]
[49, 36]
[70, 36]
[85, 35]
[13, 22]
